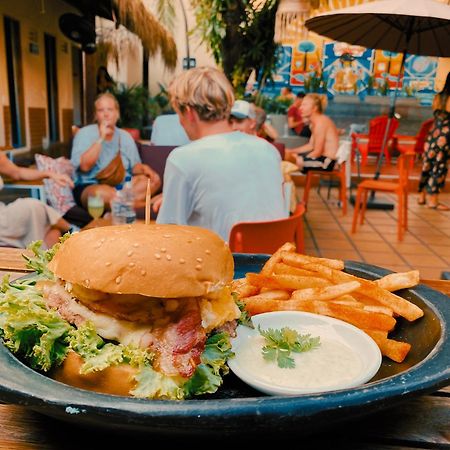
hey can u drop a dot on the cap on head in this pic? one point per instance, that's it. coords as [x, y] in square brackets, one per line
[243, 110]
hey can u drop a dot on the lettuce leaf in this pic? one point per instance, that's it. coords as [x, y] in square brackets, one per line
[208, 375]
[29, 329]
[155, 385]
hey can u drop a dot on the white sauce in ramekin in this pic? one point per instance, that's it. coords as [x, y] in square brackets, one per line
[332, 363]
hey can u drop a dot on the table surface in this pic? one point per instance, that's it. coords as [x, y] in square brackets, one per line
[423, 422]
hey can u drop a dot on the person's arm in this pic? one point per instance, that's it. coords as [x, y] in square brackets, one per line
[89, 157]
[18, 173]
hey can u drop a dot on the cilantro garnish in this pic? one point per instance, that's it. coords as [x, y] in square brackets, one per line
[280, 344]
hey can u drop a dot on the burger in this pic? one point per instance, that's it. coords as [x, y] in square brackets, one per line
[145, 310]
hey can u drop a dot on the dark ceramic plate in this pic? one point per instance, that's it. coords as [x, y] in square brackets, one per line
[237, 408]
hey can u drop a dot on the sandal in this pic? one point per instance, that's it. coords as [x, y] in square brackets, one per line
[439, 207]
[421, 202]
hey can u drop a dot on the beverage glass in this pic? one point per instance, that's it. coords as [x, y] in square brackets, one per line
[96, 206]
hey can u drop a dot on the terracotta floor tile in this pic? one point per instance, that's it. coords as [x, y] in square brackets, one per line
[441, 250]
[429, 273]
[381, 259]
[368, 246]
[425, 260]
[435, 240]
[331, 234]
[398, 268]
[411, 249]
[340, 254]
[334, 243]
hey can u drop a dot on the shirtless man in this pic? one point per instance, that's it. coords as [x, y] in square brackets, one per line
[320, 152]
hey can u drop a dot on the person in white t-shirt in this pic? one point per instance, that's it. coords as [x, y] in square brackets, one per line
[223, 176]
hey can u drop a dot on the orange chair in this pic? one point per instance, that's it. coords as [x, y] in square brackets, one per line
[268, 236]
[413, 144]
[400, 188]
[373, 141]
[339, 172]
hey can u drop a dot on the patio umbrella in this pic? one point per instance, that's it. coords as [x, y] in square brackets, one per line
[420, 27]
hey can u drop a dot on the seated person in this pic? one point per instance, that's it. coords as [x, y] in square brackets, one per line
[223, 176]
[295, 119]
[167, 130]
[320, 152]
[286, 94]
[251, 119]
[103, 154]
[27, 219]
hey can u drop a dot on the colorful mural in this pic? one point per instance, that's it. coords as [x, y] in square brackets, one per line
[343, 69]
[346, 68]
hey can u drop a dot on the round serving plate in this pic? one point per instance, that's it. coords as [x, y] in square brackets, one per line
[237, 408]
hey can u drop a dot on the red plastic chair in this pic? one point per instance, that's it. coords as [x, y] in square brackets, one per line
[399, 187]
[373, 141]
[135, 133]
[268, 236]
[413, 144]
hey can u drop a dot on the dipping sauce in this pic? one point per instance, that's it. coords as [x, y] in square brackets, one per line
[324, 367]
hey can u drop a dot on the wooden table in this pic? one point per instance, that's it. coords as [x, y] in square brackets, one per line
[423, 422]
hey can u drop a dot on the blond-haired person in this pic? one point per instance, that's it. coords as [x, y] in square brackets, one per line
[95, 146]
[320, 152]
[223, 176]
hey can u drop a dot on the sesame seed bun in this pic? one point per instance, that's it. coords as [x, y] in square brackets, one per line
[166, 261]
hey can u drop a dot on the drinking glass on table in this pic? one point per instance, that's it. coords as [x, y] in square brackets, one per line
[96, 206]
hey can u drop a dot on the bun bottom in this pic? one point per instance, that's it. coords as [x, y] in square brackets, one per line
[115, 380]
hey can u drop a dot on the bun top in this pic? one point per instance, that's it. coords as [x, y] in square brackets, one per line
[166, 261]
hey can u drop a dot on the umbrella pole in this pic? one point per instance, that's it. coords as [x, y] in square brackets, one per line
[372, 203]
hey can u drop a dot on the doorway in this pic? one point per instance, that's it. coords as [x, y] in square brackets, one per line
[15, 81]
[77, 83]
[52, 87]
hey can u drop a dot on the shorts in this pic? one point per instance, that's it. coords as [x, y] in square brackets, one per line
[321, 163]
[78, 190]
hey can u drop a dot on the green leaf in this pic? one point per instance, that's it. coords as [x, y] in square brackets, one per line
[152, 384]
[280, 344]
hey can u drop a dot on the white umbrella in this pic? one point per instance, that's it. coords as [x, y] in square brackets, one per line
[420, 27]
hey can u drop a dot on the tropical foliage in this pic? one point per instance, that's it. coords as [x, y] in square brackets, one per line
[240, 35]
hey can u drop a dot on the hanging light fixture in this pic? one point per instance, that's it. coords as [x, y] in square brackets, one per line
[290, 19]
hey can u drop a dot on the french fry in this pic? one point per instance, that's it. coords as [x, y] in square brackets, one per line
[298, 260]
[395, 350]
[297, 282]
[267, 269]
[243, 288]
[399, 305]
[262, 281]
[276, 294]
[327, 292]
[348, 300]
[354, 315]
[257, 305]
[285, 269]
[401, 280]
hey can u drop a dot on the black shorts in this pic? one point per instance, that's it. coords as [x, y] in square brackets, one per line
[78, 190]
[321, 163]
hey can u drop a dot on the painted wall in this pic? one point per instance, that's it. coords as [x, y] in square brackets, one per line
[37, 18]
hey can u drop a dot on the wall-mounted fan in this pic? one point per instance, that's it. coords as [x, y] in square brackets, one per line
[80, 29]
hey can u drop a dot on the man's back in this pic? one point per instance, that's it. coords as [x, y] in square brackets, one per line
[222, 179]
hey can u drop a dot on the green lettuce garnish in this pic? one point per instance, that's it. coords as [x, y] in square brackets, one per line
[208, 375]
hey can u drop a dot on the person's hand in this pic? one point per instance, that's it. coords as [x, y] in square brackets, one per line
[62, 179]
[157, 202]
[105, 129]
[155, 179]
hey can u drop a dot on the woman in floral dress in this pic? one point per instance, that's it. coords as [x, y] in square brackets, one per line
[436, 152]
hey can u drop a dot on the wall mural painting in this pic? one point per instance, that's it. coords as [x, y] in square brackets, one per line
[306, 61]
[342, 69]
[347, 68]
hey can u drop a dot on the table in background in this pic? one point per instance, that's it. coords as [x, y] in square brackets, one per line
[422, 422]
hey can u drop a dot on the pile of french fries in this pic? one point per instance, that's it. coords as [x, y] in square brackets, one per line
[297, 282]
